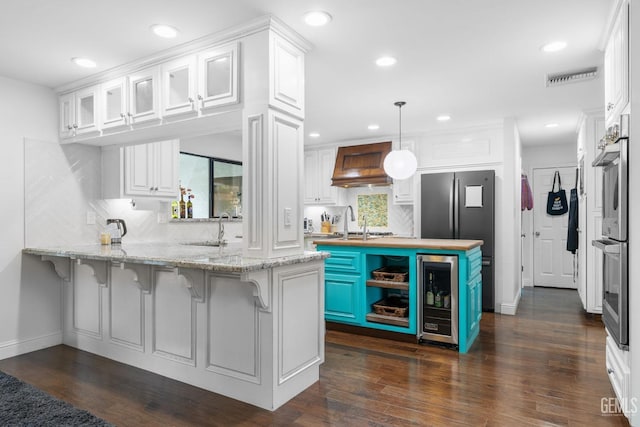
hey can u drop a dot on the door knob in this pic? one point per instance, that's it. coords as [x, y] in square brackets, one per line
[537, 234]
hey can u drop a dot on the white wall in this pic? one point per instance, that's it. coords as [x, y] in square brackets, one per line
[533, 157]
[30, 309]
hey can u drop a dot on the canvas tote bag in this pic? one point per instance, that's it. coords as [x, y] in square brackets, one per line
[557, 200]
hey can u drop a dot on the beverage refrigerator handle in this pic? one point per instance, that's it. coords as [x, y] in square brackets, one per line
[456, 210]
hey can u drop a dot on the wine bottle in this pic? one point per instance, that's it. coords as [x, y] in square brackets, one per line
[189, 207]
[183, 206]
[430, 290]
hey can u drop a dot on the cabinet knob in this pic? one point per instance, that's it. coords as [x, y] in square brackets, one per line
[122, 115]
[609, 371]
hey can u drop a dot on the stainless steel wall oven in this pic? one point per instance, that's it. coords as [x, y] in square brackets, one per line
[614, 244]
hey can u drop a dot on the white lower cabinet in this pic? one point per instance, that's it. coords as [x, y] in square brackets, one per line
[617, 363]
[148, 170]
[254, 336]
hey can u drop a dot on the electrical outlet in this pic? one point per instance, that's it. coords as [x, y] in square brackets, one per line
[287, 217]
[91, 218]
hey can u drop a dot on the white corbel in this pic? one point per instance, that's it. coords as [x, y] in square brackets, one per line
[195, 282]
[142, 275]
[261, 280]
[99, 268]
[61, 265]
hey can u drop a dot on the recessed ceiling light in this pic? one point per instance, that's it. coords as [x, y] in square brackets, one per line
[551, 125]
[84, 62]
[164, 31]
[554, 46]
[314, 134]
[373, 127]
[386, 61]
[443, 118]
[317, 18]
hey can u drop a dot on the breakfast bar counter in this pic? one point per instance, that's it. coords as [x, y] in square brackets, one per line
[248, 328]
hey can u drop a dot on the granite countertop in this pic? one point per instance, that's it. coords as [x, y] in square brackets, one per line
[405, 242]
[225, 258]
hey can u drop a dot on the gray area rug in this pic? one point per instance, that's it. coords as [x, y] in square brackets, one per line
[24, 405]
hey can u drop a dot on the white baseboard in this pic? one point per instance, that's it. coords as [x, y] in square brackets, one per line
[18, 347]
[512, 307]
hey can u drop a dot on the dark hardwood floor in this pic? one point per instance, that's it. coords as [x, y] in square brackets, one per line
[545, 366]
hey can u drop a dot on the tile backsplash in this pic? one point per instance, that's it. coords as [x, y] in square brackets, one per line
[375, 208]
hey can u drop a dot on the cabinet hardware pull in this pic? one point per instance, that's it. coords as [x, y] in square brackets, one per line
[609, 371]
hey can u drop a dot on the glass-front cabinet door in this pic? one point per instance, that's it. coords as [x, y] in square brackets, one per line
[179, 86]
[143, 95]
[114, 103]
[218, 81]
[67, 105]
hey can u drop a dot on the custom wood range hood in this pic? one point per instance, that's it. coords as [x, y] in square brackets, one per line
[361, 165]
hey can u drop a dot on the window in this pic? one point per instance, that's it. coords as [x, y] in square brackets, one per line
[216, 185]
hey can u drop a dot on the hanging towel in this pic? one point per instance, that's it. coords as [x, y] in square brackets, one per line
[572, 233]
[526, 198]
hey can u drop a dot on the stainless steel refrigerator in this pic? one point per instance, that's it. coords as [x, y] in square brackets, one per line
[460, 205]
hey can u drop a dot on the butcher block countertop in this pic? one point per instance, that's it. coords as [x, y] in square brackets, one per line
[404, 242]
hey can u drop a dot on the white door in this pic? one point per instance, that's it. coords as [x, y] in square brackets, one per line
[552, 263]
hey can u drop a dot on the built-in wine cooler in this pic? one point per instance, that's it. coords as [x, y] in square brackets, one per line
[438, 298]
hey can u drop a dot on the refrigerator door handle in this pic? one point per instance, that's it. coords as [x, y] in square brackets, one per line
[456, 210]
[451, 209]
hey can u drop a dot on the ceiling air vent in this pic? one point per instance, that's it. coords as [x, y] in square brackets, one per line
[571, 76]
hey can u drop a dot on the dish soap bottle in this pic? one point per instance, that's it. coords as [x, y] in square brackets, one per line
[174, 209]
[430, 290]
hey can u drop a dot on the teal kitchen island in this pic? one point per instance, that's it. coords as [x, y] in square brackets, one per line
[355, 281]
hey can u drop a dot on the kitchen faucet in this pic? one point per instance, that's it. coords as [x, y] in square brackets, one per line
[364, 227]
[221, 227]
[345, 235]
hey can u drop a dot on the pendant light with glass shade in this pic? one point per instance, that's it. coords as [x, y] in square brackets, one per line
[400, 164]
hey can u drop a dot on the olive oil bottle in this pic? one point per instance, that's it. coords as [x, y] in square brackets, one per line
[183, 206]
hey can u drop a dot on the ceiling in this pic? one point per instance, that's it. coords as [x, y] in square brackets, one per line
[478, 61]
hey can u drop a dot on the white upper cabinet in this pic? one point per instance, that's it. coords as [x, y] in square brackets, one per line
[404, 190]
[616, 67]
[179, 86]
[79, 112]
[115, 103]
[144, 96]
[218, 77]
[149, 170]
[198, 82]
[318, 170]
[131, 99]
